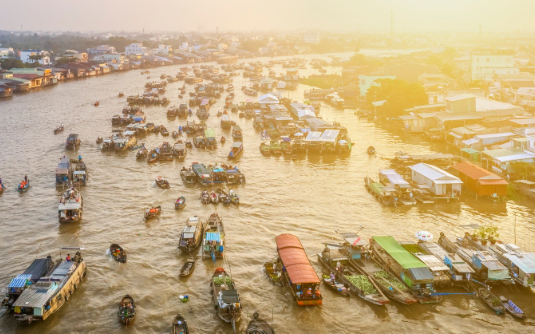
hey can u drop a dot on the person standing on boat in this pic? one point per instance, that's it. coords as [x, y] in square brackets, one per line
[79, 158]
[68, 258]
[26, 178]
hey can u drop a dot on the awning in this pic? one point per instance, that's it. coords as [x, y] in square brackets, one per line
[421, 273]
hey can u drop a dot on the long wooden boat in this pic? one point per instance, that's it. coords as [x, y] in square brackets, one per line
[127, 310]
[336, 285]
[118, 253]
[188, 267]
[358, 283]
[70, 206]
[491, 300]
[188, 176]
[301, 278]
[258, 326]
[162, 183]
[225, 297]
[37, 269]
[180, 203]
[180, 326]
[510, 307]
[273, 271]
[265, 149]
[191, 235]
[52, 291]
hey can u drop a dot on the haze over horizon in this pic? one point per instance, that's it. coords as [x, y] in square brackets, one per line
[234, 15]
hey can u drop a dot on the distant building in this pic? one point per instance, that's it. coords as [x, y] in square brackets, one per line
[410, 71]
[366, 81]
[135, 49]
[6, 52]
[101, 49]
[32, 56]
[486, 64]
[311, 38]
[164, 49]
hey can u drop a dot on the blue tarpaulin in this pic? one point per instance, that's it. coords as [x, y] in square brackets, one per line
[19, 281]
[213, 236]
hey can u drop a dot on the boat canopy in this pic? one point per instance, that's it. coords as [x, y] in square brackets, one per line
[524, 261]
[313, 136]
[37, 295]
[432, 262]
[295, 260]
[400, 254]
[213, 236]
[237, 144]
[129, 133]
[329, 136]
[394, 178]
[69, 206]
[353, 239]
[20, 281]
[225, 118]
[421, 274]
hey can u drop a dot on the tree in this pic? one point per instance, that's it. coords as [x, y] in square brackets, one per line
[9, 63]
[399, 95]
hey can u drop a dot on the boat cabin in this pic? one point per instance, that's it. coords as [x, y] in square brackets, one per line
[328, 140]
[63, 172]
[312, 141]
[204, 175]
[302, 280]
[70, 206]
[236, 150]
[458, 269]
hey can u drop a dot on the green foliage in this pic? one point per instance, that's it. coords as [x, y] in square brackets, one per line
[358, 59]
[399, 95]
[446, 62]
[322, 82]
[10, 63]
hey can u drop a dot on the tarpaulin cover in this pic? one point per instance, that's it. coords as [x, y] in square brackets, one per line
[400, 254]
[213, 236]
[288, 240]
[295, 260]
[19, 281]
[501, 274]
[394, 177]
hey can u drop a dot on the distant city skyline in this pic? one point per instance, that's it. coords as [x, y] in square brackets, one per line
[240, 15]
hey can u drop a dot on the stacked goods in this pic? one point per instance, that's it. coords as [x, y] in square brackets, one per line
[220, 280]
[387, 280]
[362, 282]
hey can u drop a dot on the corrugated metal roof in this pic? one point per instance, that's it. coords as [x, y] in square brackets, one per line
[36, 295]
[434, 173]
[213, 236]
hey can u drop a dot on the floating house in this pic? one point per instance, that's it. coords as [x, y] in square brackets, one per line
[438, 181]
[480, 181]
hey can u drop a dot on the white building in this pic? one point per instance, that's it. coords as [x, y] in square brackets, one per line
[135, 49]
[114, 58]
[166, 49]
[438, 181]
[101, 49]
[484, 65]
[311, 38]
[27, 57]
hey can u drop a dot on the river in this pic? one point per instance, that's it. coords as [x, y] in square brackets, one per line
[310, 198]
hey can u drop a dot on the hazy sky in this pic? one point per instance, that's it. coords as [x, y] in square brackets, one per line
[347, 15]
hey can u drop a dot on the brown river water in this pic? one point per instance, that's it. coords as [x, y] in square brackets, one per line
[310, 198]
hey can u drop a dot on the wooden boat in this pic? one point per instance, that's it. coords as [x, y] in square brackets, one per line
[127, 310]
[236, 132]
[153, 156]
[371, 150]
[189, 143]
[188, 267]
[205, 197]
[223, 196]
[188, 176]
[234, 198]
[53, 291]
[118, 253]
[512, 308]
[23, 186]
[163, 131]
[99, 140]
[299, 275]
[72, 142]
[153, 212]
[2, 187]
[58, 129]
[180, 203]
[225, 297]
[142, 153]
[275, 147]
[491, 300]
[70, 206]
[162, 183]
[236, 150]
[96, 104]
[273, 271]
[191, 235]
[286, 145]
[180, 326]
[214, 238]
[223, 140]
[258, 326]
[175, 134]
[355, 281]
[336, 286]
[214, 198]
[265, 149]
[172, 112]
[120, 95]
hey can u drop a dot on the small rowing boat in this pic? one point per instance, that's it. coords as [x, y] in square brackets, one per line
[512, 308]
[258, 326]
[187, 267]
[180, 325]
[127, 310]
[491, 300]
[180, 203]
[118, 253]
[153, 212]
[162, 183]
[58, 129]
